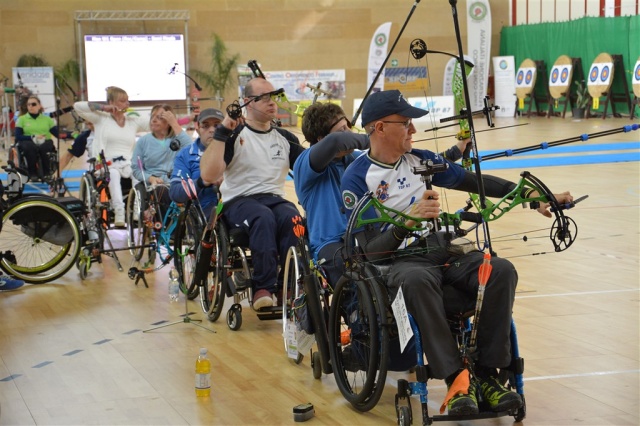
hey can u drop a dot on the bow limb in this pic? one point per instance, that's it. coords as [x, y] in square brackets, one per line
[533, 192]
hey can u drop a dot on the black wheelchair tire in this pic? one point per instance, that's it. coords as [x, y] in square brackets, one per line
[31, 258]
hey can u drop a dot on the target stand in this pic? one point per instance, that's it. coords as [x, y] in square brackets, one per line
[531, 88]
[565, 71]
[605, 69]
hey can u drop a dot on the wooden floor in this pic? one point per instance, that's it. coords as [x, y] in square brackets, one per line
[74, 352]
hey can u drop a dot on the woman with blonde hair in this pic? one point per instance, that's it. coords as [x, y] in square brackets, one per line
[153, 156]
[115, 133]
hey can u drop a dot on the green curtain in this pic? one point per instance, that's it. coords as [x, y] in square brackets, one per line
[583, 38]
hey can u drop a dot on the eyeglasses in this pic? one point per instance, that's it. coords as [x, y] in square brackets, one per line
[406, 124]
[32, 104]
[268, 96]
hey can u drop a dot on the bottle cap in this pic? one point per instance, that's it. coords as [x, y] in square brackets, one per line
[203, 351]
[173, 274]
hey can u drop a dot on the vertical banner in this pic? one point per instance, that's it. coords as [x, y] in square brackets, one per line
[37, 81]
[377, 53]
[505, 85]
[479, 48]
[447, 89]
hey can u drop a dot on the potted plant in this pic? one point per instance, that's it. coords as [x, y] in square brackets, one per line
[219, 78]
[582, 100]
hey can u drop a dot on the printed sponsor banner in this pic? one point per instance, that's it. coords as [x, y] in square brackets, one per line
[479, 48]
[409, 78]
[39, 81]
[377, 54]
[438, 107]
[244, 75]
[295, 83]
[559, 75]
[600, 74]
[505, 86]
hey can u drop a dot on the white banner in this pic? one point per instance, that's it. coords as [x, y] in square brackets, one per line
[438, 107]
[39, 80]
[505, 85]
[377, 54]
[295, 83]
[479, 48]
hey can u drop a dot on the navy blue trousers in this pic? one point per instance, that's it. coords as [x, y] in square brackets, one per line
[267, 219]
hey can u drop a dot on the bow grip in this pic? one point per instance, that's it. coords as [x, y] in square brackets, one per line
[471, 217]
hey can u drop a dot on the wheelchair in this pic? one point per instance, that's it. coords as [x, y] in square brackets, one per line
[171, 235]
[40, 236]
[307, 304]
[364, 340]
[17, 157]
[223, 268]
[94, 193]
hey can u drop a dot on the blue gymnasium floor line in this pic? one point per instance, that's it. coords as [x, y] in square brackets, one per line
[545, 158]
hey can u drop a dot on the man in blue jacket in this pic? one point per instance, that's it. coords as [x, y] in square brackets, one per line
[187, 163]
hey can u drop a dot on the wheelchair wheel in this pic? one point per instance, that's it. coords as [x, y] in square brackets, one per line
[290, 291]
[212, 293]
[40, 240]
[354, 342]
[316, 365]
[187, 240]
[138, 232]
[404, 416]
[83, 267]
[234, 318]
[18, 160]
[89, 197]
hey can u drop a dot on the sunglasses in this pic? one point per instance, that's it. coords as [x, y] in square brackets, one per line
[32, 104]
[268, 96]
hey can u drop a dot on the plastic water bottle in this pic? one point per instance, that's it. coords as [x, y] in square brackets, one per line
[203, 374]
[174, 286]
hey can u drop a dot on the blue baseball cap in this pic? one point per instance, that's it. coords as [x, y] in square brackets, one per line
[388, 102]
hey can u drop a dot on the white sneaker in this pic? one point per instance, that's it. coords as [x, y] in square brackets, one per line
[119, 220]
[262, 299]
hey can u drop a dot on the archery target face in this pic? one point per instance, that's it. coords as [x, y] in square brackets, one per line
[600, 73]
[524, 78]
[560, 75]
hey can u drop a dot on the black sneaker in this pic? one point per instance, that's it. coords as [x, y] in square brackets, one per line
[464, 405]
[498, 397]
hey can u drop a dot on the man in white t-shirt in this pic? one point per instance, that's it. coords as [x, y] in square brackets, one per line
[254, 158]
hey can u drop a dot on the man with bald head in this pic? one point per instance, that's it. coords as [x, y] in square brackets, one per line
[254, 158]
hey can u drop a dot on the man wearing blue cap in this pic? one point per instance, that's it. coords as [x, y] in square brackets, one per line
[387, 171]
[187, 163]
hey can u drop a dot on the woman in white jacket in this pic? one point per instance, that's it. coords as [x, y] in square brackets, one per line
[115, 133]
